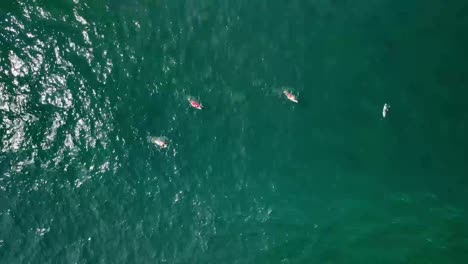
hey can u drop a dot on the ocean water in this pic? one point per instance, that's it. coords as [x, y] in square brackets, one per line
[251, 178]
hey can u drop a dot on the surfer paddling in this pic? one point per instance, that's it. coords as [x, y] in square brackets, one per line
[290, 96]
[158, 141]
[385, 109]
[195, 104]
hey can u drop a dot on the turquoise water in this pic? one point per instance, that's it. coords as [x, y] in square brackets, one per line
[251, 178]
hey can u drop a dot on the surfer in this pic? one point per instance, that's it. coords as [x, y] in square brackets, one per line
[159, 141]
[195, 104]
[385, 109]
[290, 96]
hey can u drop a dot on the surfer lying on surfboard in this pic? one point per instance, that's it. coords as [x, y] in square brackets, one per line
[290, 96]
[385, 109]
[159, 141]
[195, 104]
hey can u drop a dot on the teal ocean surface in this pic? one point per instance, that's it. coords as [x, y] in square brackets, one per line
[252, 177]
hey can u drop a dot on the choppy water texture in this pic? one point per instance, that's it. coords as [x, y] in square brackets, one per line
[251, 178]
